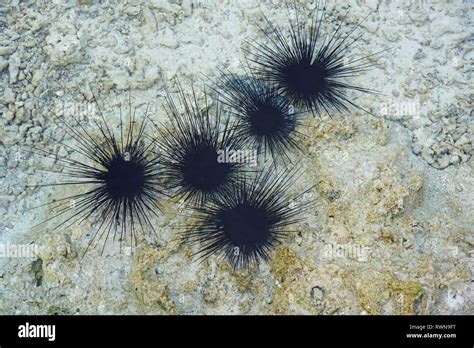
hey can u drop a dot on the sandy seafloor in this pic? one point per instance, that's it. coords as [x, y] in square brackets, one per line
[398, 185]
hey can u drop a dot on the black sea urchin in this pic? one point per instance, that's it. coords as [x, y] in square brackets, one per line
[267, 120]
[192, 147]
[120, 176]
[308, 69]
[248, 223]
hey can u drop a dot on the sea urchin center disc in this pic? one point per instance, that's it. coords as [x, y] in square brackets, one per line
[124, 178]
[266, 120]
[202, 170]
[245, 225]
[305, 79]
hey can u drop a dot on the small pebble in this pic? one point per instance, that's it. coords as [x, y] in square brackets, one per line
[8, 96]
[169, 38]
[3, 63]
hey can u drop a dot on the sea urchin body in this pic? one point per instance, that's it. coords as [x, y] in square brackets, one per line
[120, 175]
[248, 223]
[308, 69]
[267, 121]
[191, 147]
